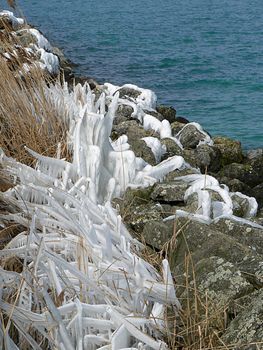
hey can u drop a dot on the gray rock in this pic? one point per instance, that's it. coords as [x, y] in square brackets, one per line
[220, 281]
[132, 129]
[169, 192]
[176, 127]
[142, 214]
[190, 136]
[126, 92]
[245, 234]
[172, 149]
[123, 114]
[254, 153]
[257, 192]
[204, 157]
[245, 173]
[235, 185]
[203, 241]
[157, 233]
[168, 113]
[240, 206]
[141, 150]
[231, 150]
[173, 175]
[246, 328]
[155, 114]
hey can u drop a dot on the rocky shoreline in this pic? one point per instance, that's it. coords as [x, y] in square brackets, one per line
[205, 216]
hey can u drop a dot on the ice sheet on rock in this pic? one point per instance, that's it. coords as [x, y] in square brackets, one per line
[155, 145]
[16, 21]
[151, 174]
[51, 62]
[42, 42]
[146, 100]
[207, 139]
[252, 204]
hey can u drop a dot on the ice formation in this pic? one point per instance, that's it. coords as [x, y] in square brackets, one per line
[41, 49]
[83, 285]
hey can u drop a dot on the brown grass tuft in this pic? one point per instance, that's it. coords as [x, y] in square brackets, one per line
[27, 118]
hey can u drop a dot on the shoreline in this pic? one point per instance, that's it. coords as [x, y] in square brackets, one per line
[179, 248]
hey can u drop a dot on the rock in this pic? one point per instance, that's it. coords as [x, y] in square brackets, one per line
[190, 136]
[126, 92]
[168, 113]
[203, 241]
[192, 203]
[245, 173]
[182, 120]
[235, 185]
[155, 114]
[140, 215]
[137, 208]
[137, 196]
[141, 150]
[129, 126]
[135, 133]
[254, 153]
[231, 150]
[172, 149]
[176, 127]
[123, 113]
[220, 281]
[257, 165]
[204, 157]
[257, 192]
[245, 234]
[157, 233]
[246, 328]
[240, 206]
[169, 192]
[180, 172]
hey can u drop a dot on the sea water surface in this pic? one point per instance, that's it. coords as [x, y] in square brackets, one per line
[204, 57]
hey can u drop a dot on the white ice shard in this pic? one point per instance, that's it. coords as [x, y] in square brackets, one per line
[83, 285]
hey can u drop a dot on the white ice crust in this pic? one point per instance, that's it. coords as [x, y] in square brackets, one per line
[77, 245]
[42, 48]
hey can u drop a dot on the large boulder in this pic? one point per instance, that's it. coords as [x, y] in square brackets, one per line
[172, 148]
[257, 192]
[157, 233]
[219, 281]
[128, 93]
[190, 136]
[176, 127]
[168, 113]
[231, 150]
[204, 157]
[245, 331]
[251, 237]
[169, 191]
[246, 173]
[141, 150]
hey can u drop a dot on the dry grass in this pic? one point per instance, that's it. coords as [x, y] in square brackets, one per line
[27, 118]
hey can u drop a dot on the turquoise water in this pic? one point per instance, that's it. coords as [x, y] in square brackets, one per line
[204, 57]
